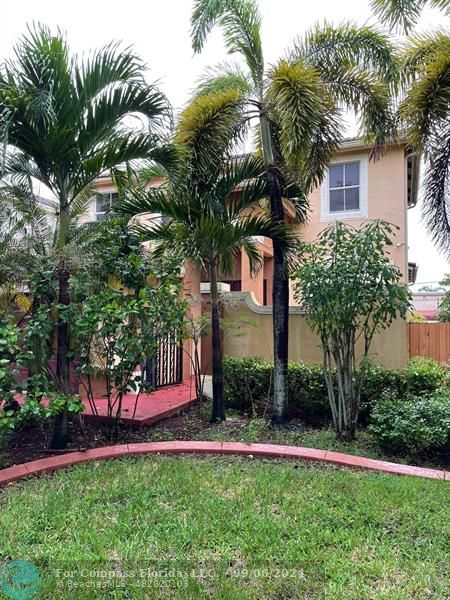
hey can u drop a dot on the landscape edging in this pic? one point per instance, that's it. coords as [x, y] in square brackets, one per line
[53, 463]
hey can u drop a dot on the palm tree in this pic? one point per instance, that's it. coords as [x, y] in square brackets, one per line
[425, 112]
[404, 13]
[298, 106]
[425, 109]
[63, 123]
[213, 205]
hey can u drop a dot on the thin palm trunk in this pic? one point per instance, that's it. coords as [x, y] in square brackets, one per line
[218, 413]
[61, 430]
[280, 308]
[280, 286]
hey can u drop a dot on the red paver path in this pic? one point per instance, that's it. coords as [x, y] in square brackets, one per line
[151, 408]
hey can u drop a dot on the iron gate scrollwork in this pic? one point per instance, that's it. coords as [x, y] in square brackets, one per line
[165, 367]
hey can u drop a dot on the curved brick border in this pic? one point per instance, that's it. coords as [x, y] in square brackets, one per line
[46, 465]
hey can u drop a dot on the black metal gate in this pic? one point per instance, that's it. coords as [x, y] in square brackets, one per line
[165, 367]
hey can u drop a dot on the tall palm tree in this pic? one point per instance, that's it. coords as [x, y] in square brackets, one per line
[298, 104]
[63, 122]
[404, 13]
[213, 202]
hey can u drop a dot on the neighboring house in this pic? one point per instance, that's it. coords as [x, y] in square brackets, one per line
[427, 303]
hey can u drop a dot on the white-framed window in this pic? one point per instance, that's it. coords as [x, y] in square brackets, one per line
[344, 190]
[344, 187]
[102, 204]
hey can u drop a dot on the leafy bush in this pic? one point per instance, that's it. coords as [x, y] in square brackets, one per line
[421, 376]
[9, 353]
[412, 424]
[34, 410]
[425, 375]
[248, 386]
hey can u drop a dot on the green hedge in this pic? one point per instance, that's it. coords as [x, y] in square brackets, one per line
[414, 424]
[248, 386]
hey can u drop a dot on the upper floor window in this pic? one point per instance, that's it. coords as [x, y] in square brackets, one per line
[103, 203]
[344, 187]
[344, 192]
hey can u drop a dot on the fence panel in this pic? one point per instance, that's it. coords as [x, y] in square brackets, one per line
[430, 339]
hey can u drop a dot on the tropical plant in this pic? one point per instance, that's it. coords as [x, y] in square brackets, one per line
[404, 13]
[424, 109]
[206, 220]
[444, 306]
[116, 332]
[425, 113]
[414, 424]
[350, 291]
[297, 104]
[63, 123]
[10, 352]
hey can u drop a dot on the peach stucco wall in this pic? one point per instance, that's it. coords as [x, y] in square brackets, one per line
[386, 191]
[386, 200]
[389, 348]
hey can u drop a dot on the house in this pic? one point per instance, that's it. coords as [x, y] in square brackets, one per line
[427, 304]
[356, 188]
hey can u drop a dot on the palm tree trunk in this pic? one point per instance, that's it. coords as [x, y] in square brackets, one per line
[280, 308]
[218, 413]
[280, 286]
[61, 430]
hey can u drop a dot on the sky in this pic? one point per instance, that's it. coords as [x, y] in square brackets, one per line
[159, 32]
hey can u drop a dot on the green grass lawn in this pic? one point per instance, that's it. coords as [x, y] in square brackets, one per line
[230, 528]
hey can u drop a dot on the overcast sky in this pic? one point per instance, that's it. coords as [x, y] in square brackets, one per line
[159, 31]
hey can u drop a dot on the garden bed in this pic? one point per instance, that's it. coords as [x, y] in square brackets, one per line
[33, 442]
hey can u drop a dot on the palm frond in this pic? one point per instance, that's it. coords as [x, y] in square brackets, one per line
[403, 14]
[243, 181]
[427, 102]
[420, 50]
[298, 103]
[204, 17]
[328, 48]
[436, 187]
[222, 78]
[240, 22]
[105, 67]
[209, 128]
[105, 113]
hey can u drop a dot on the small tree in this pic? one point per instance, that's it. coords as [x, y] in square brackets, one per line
[444, 306]
[350, 291]
[125, 306]
[117, 333]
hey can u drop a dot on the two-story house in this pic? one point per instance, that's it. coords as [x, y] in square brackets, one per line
[356, 188]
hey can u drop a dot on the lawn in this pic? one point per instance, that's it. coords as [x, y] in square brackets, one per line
[229, 528]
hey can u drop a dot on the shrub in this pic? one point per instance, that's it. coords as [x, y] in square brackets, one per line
[248, 386]
[425, 375]
[412, 424]
[246, 381]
